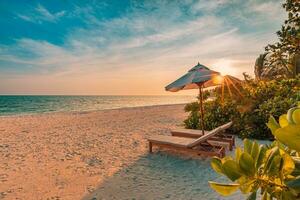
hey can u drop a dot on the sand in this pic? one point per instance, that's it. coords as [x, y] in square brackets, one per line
[97, 155]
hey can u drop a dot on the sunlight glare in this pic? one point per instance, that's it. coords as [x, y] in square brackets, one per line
[225, 66]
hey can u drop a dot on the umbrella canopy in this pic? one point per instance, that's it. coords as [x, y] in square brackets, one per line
[198, 77]
[199, 74]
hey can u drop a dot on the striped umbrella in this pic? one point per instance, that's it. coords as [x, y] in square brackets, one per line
[198, 77]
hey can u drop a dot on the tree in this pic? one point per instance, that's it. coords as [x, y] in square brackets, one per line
[285, 53]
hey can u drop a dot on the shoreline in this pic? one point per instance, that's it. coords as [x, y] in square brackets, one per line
[87, 111]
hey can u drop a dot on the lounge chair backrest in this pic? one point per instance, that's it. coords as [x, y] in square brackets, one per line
[209, 134]
[226, 126]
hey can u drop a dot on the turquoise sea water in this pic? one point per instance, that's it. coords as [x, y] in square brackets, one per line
[16, 105]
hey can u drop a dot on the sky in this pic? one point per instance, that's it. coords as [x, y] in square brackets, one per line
[116, 47]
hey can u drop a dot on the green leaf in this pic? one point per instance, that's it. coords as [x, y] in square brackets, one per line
[254, 150]
[261, 156]
[287, 195]
[224, 189]
[271, 153]
[238, 152]
[247, 146]
[295, 184]
[290, 136]
[274, 166]
[273, 125]
[216, 164]
[252, 196]
[246, 164]
[296, 171]
[231, 170]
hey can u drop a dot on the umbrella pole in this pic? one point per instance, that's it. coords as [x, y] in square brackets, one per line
[201, 106]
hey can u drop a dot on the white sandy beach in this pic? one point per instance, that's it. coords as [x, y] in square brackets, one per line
[66, 155]
[101, 154]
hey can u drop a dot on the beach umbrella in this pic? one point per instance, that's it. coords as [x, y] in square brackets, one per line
[198, 77]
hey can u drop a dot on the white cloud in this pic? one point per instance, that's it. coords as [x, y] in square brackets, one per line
[47, 16]
[40, 14]
[144, 44]
[207, 6]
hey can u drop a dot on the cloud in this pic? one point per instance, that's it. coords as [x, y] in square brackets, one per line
[47, 16]
[207, 6]
[161, 39]
[41, 14]
[270, 9]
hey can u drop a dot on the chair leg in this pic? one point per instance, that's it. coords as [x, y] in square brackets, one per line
[230, 146]
[150, 147]
[222, 152]
[233, 141]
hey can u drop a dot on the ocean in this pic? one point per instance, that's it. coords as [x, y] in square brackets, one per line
[21, 105]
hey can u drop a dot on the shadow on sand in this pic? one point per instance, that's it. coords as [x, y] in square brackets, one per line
[161, 176]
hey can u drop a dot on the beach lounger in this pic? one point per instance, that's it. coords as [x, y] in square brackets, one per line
[220, 138]
[200, 146]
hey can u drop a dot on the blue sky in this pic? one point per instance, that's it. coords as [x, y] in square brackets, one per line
[127, 47]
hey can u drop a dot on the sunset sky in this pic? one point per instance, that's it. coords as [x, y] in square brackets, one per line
[127, 47]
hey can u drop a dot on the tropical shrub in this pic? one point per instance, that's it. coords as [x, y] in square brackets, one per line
[265, 98]
[250, 110]
[216, 114]
[273, 170]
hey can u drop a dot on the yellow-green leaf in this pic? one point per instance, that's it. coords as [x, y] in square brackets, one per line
[261, 156]
[254, 150]
[287, 195]
[216, 164]
[283, 122]
[273, 125]
[246, 184]
[252, 196]
[290, 115]
[270, 154]
[224, 189]
[265, 196]
[231, 170]
[274, 167]
[247, 146]
[290, 136]
[246, 164]
[238, 152]
[296, 116]
[288, 164]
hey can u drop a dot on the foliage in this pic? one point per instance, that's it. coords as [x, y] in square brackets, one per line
[216, 114]
[265, 98]
[273, 169]
[249, 111]
[254, 128]
[284, 52]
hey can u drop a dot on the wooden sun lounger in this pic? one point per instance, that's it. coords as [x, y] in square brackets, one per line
[220, 138]
[200, 146]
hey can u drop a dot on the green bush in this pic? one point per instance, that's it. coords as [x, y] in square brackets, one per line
[249, 111]
[254, 122]
[216, 114]
[265, 98]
